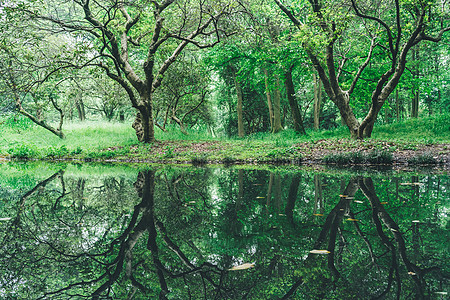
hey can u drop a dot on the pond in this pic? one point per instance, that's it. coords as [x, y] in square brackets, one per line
[73, 231]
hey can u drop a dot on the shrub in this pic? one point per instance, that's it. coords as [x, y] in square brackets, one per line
[380, 157]
[57, 152]
[76, 151]
[199, 160]
[422, 159]
[345, 158]
[23, 152]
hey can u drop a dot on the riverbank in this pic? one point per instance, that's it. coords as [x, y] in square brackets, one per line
[424, 141]
[340, 152]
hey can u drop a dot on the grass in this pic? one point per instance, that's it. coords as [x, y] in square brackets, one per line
[423, 159]
[105, 140]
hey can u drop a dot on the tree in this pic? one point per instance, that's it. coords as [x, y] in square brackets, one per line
[135, 43]
[389, 29]
[22, 80]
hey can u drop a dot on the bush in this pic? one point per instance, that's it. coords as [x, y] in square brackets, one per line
[356, 158]
[423, 159]
[199, 160]
[23, 152]
[57, 152]
[380, 157]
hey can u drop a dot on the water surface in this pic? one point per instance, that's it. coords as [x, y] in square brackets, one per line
[115, 232]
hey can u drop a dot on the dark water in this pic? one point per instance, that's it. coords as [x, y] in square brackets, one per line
[98, 232]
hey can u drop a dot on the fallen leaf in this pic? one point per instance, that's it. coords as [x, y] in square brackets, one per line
[318, 215]
[353, 220]
[319, 251]
[282, 215]
[5, 219]
[383, 203]
[411, 273]
[242, 267]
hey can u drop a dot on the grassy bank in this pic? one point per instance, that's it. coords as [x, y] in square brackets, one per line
[116, 141]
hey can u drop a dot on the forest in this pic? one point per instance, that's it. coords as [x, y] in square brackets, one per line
[226, 149]
[224, 69]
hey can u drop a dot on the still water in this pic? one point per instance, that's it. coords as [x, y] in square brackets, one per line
[117, 232]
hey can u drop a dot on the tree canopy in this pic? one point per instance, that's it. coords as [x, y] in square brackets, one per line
[236, 67]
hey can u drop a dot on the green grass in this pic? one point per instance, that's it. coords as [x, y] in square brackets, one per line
[425, 130]
[22, 138]
[105, 140]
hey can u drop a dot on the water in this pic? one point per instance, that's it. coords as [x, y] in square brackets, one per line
[116, 232]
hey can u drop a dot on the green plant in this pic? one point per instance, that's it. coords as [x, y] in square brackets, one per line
[422, 159]
[228, 160]
[23, 152]
[169, 152]
[199, 160]
[76, 151]
[57, 151]
[380, 157]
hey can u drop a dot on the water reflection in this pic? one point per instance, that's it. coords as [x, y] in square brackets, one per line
[178, 233]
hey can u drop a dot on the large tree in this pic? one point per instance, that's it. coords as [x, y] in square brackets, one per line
[135, 42]
[342, 37]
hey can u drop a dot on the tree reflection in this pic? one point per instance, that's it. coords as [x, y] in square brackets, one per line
[175, 234]
[389, 234]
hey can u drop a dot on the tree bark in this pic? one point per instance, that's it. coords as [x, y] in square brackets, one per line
[239, 110]
[317, 100]
[269, 101]
[295, 110]
[277, 108]
[80, 107]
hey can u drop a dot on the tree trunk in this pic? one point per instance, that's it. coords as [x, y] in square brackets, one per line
[80, 108]
[317, 100]
[277, 108]
[397, 105]
[415, 99]
[240, 116]
[295, 110]
[143, 124]
[269, 101]
[415, 104]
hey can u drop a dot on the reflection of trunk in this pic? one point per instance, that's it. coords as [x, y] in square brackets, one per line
[330, 229]
[318, 199]
[269, 191]
[241, 189]
[292, 198]
[295, 107]
[380, 214]
[277, 195]
[39, 187]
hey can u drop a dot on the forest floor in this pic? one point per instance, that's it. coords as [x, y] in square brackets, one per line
[410, 143]
[339, 152]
